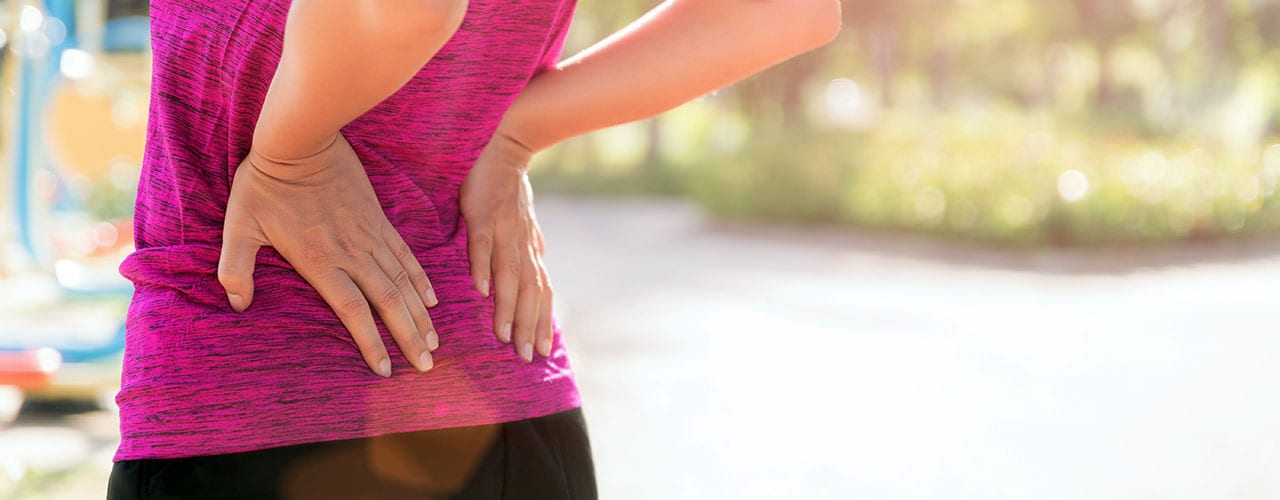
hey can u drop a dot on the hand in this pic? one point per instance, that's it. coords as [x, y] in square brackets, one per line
[503, 239]
[321, 214]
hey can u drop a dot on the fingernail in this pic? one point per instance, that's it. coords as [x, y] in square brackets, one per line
[384, 368]
[424, 362]
[484, 287]
[237, 302]
[433, 340]
[431, 297]
[526, 351]
[505, 334]
[544, 348]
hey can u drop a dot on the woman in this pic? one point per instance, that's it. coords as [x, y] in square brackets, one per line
[379, 324]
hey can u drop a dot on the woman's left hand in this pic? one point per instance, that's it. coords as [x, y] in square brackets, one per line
[504, 243]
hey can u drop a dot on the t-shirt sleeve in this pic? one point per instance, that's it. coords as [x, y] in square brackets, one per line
[554, 49]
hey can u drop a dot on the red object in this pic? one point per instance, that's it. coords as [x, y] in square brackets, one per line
[29, 369]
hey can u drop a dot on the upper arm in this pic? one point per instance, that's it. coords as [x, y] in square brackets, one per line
[392, 21]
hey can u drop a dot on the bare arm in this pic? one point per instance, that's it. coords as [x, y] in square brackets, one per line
[303, 190]
[678, 51]
[341, 58]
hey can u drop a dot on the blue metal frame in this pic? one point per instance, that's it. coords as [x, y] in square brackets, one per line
[22, 156]
[31, 97]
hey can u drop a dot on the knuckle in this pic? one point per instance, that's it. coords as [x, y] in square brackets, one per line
[352, 304]
[536, 282]
[230, 278]
[400, 249]
[348, 244]
[389, 295]
[511, 266]
[313, 254]
[482, 238]
[533, 287]
[400, 278]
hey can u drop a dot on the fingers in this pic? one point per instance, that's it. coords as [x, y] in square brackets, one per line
[479, 253]
[236, 263]
[543, 331]
[418, 285]
[417, 310]
[506, 287]
[418, 278]
[527, 308]
[387, 287]
[342, 294]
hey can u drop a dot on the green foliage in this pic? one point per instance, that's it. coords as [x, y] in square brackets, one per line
[787, 176]
[1086, 122]
[1021, 179]
[995, 176]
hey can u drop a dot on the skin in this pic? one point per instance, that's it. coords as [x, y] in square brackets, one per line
[301, 183]
[680, 50]
[302, 189]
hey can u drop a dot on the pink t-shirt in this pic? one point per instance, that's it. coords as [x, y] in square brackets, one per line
[201, 379]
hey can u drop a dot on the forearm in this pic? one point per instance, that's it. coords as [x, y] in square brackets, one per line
[342, 57]
[680, 50]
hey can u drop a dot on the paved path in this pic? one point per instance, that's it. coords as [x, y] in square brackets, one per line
[737, 362]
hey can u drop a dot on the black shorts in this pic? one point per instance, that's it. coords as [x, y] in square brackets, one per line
[547, 457]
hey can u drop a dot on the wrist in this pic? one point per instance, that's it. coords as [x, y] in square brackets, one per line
[294, 166]
[512, 147]
[520, 125]
[285, 140]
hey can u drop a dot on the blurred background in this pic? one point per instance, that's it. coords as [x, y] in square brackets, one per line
[972, 249]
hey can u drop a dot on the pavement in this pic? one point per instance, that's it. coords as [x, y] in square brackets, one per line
[743, 361]
[726, 360]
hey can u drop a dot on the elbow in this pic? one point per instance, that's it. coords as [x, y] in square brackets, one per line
[822, 20]
[809, 23]
[412, 22]
[831, 21]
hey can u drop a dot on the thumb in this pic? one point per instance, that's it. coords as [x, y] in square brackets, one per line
[235, 269]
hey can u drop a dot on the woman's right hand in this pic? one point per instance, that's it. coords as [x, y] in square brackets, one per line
[322, 215]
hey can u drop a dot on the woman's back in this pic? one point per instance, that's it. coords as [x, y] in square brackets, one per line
[202, 379]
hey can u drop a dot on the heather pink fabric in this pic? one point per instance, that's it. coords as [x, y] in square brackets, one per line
[201, 379]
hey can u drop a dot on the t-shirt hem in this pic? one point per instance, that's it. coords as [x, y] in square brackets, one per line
[129, 450]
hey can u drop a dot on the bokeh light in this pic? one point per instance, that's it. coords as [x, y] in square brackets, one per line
[1073, 185]
[969, 249]
[31, 19]
[76, 64]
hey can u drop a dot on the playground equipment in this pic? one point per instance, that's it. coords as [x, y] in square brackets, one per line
[75, 74]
